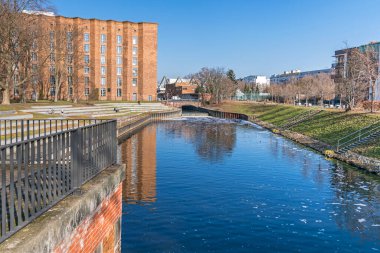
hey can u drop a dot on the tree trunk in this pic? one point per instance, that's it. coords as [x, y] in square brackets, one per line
[6, 97]
[373, 98]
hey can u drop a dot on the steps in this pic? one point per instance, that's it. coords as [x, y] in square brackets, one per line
[98, 110]
[300, 118]
[358, 138]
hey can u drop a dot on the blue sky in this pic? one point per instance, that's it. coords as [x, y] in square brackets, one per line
[248, 36]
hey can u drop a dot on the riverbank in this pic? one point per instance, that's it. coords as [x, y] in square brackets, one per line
[320, 132]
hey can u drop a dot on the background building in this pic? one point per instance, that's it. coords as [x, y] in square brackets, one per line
[261, 82]
[287, 76]
[180, 88]
[341, 64]
[95, 59]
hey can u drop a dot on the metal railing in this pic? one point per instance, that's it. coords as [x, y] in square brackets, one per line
[300, 118]
[216, 114]
[38, 172]
[128, 125]
[358, 135]
[12, 131]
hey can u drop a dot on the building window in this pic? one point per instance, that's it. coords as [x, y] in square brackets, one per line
[134, 72]
[86, 81]
[52, 36]
[119, 60]
[52, 91]
[34, 68]
[119, 39]
[134, 61]
[70, 91]
[86, 70]
[119, 82]
[102, 60]
[70, 70]
[70, 58]
[134, 40]
[34, 56]
[34, 45]
[119, 71]
[150, 98]
[86, 37]
[103, 92]
[118, 92]
[103, 81]
[134, 51]
[52, 57]
[70, 80]
[52, 80]
[119, 50]
[103, 38]
[86, 91]
[86, 48]
[103, 49]
[70, 47]
[86, 59]
[52, 69]
[69, 36]
[103, 70]
[134, 82]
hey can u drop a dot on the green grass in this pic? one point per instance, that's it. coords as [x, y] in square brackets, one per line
[328, 126]
[371, 149]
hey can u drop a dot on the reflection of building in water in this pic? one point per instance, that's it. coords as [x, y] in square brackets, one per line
[139, 155]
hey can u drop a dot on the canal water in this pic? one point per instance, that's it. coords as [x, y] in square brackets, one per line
[210, 185]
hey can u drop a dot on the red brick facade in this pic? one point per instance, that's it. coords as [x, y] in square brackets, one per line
[110, 60]
[102, 230]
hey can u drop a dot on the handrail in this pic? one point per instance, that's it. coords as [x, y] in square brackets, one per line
[38, 172]
[359, 134]
[14, 130]
[299, 118]
[357, 131]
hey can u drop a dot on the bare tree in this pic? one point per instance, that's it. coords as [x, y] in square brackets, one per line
[216, 83]
[325, 87]
[371, 74]
[354, 85]
[16, 34]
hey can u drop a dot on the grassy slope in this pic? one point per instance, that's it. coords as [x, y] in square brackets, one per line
[328, 126]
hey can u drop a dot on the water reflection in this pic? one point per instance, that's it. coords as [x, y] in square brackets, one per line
[268, 194]
[138, 153]
[212, 139]
[355, 202]
[356, 205]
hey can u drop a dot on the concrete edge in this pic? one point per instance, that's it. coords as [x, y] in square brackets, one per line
[368, 164]
[59, 222]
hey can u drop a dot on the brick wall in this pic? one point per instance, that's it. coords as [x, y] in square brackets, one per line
[101, 230]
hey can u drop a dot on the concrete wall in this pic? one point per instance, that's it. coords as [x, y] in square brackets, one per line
[82, 222]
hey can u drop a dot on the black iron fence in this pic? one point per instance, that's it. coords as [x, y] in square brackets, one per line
[38, 172]
[12, 131]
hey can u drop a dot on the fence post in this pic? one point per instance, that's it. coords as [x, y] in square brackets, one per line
[75, 164]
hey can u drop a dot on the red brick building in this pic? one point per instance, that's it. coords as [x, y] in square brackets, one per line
[96, 59]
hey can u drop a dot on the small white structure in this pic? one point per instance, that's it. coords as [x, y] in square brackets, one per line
[260, 81]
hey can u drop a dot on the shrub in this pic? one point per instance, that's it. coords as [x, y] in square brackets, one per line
[329, 153]
[367, 105]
